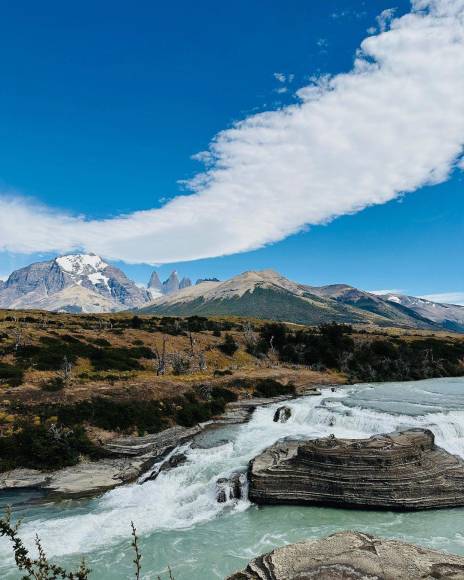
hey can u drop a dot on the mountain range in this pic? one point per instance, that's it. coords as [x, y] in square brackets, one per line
[268, 295]
[86, 283]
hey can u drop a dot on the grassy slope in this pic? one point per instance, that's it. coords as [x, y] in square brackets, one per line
[284, 306]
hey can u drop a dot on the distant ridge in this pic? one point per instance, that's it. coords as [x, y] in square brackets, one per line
[268, 295]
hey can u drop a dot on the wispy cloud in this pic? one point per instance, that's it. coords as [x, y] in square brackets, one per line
[392, 125]
[446, 297]
[280, 77]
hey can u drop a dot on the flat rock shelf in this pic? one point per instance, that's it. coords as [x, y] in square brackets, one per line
[403, 470]
[352, 556]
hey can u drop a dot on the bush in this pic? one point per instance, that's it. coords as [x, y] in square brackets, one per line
[38, 447]
[54, 385]
[222, 373]
[193, 412]
[229, 346]
[271, 388]
[225, 394]
[11, 375]
[101, 342]
[114, 415]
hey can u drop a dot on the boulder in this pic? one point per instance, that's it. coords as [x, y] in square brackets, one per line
[398, 471]
[230, 488]
[353, 556]
[282, 414]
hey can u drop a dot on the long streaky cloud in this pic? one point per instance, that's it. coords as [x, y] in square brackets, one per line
[392, 125]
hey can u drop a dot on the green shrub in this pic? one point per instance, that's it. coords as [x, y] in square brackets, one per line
[53, 385]
[38, 447]
[114, 415]
[11, 375]
[222, 373]
[272, 388]
[229, 346]
[225, 394]
[101, 342]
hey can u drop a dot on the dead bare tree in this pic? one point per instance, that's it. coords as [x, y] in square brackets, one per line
[192, 344]
[18, 335]
[161, 357]
[65, 370]
[202, 365]
[250, 338]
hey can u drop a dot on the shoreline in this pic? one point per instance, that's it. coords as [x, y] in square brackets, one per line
[133, 456]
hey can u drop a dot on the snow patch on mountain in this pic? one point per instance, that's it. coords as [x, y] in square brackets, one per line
[81, 264]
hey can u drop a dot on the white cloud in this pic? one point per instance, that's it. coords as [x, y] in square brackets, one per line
[280, 77]
[446, 298]
[392, 125]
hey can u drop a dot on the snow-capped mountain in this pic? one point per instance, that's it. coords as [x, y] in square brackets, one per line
[72, 283]
[449, 316]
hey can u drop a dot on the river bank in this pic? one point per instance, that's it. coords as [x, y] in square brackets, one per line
[129, 457]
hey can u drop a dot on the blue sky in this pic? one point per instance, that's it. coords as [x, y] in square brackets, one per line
[103, 106]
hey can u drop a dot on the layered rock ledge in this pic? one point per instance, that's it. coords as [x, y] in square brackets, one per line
[399, 471]
[352, 556]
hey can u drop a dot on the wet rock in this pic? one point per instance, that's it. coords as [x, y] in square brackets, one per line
[353, 556]
[157, 444]
[400, 471]
[230, 488]
[282, 414]
[172, 462]
[240, 411]
[22, 479]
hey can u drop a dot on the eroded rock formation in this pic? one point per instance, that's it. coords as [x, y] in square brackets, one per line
[352, 556]
[401, 471]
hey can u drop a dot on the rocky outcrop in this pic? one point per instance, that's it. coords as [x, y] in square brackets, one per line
[399, 471]
[171, 285]
[79, 480]
[353, 556]
[282, 414]
[154, 283]
[230, 488]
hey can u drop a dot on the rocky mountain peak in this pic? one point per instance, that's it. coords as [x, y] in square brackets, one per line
[154, 282]
[171, 285]
[185, 283]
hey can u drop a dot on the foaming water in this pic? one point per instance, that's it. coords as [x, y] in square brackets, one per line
[181, 523]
